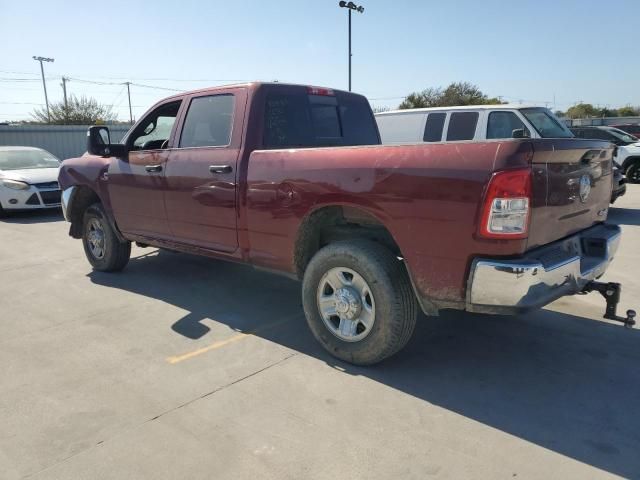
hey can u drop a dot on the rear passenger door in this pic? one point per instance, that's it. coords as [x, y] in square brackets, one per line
[201, 173]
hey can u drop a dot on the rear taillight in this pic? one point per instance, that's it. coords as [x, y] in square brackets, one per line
[505, 211]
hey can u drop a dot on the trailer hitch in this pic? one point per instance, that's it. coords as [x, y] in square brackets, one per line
[611, 293]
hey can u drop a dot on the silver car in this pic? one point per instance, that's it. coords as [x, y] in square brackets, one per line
[28, 179]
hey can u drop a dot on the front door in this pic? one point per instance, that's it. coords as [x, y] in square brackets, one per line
[201, 172]
[137, 183]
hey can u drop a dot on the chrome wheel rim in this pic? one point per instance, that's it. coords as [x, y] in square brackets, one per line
[346, 304]
[95, 238]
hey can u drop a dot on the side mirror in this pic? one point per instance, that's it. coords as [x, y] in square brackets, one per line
[519, 133]
[99, 143]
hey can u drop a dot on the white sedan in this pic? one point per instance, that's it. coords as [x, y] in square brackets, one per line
[28, 179]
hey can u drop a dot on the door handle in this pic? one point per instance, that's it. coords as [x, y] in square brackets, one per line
[220, 169]
[153, 168]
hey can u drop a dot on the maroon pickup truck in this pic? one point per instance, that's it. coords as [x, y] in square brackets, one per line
[294, 179]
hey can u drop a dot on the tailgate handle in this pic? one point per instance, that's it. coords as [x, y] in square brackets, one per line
[153, 168]
[220, 169]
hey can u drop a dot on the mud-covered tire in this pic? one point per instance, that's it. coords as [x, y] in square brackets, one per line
[632, 172]
[386, 278]
[114, 254]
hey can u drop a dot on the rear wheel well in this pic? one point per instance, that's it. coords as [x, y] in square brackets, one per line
[83, 197]
[336, 223]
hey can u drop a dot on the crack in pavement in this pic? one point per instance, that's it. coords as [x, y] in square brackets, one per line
[230, 384]
[178, 407]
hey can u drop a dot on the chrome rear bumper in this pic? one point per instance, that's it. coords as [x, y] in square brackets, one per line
[542, 275]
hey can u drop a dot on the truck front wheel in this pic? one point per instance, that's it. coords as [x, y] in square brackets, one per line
[102, 247]
[358, 301]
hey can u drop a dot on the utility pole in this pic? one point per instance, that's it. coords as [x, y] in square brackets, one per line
[44, 84]
[350, 6]
[129, 95]
[64, 91]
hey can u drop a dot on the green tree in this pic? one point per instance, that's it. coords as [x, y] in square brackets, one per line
[582, 110]
[457, 93]
[607, 112]
[628, 111]
[429, 97]
[79, 111]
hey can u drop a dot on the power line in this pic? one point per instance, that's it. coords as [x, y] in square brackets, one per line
[18, 73]
[20, 103]
[156, 87]
[19, 80]
[118, 96]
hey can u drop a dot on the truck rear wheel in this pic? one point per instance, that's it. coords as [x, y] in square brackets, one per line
[633, 172]
[358, 301]
[102, 247]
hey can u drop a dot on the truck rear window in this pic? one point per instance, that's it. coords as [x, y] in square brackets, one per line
[298, 120]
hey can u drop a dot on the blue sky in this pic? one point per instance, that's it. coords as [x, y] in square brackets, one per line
[529, 50]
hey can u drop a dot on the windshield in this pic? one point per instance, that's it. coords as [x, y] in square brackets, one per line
[545, 123]
[622, 135]
[17, 159]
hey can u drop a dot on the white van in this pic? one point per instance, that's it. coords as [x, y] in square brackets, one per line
[469, 123]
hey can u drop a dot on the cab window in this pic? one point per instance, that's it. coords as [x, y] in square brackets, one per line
[208, 122]
[462, 126]
[154, 131]
[433, 127]
[502, 125]
[299, 119]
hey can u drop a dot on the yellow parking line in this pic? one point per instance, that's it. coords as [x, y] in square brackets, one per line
[222, 343]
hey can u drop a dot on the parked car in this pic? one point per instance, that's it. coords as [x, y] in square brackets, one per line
[627, 153]
[479, 123]
[294, 179]
[28, 179]
[631, 128]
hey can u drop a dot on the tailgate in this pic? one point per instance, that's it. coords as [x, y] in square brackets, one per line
[571, 187]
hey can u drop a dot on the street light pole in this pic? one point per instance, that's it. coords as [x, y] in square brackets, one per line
[66, 104]
[350, 6]
[44, 84]
[64, 91]
[350, 50]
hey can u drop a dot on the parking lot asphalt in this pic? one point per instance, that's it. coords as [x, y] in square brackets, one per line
[182, 367]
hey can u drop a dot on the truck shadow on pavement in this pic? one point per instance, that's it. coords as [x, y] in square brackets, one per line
[624, 216]
[565, 383]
